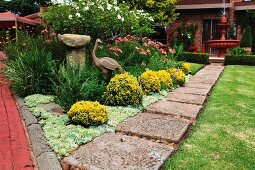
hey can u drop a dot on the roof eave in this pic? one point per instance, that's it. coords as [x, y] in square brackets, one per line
[202, 6]
[246, 7]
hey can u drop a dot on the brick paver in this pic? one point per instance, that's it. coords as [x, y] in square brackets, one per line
[14, 150]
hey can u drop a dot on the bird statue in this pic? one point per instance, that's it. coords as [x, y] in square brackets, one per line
[106, 64]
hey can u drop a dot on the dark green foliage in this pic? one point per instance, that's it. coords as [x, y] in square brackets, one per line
[231, 33]
[246, 40]
[23, 7]
[238, 51]
[194, 58]
[30, 72]
[186, 35]
[27, 43]
[239, 60]
[73, 85]
[156, 63]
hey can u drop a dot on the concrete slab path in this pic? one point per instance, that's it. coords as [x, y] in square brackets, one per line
[146, 140]
[14, 149]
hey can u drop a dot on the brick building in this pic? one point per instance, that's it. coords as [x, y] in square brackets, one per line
[206, 15]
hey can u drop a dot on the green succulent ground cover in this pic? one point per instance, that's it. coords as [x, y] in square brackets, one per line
[64, 137]
[224, 135]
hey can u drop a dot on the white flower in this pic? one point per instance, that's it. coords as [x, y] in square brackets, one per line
[115, 2]
[122, 19]
[100, 7]
[78, 14]
[109, 7]
[70, 17]
[151, 19]
[86, 8]
[118, 16]
[116, 8]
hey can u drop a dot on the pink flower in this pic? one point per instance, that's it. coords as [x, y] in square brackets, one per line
[145, 44]
[144, 39]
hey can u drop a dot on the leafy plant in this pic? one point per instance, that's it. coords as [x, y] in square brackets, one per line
[73, 85]
[100, 18]
[238, 51]
[186, 35]
[31, 72]
[246, 40]
[123, 90]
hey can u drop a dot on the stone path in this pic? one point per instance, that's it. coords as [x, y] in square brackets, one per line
[146, 140]
[14, 150]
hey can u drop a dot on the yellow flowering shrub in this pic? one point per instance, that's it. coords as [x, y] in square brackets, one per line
[123, 90]
[180, 77]
[165, 79]
[149, 81]
[185, 67]
[88, 113]
[172, 72]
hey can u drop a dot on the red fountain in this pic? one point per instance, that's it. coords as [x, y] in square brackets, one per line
[223, 44]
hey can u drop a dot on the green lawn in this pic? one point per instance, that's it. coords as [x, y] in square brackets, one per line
[194, 68]
[224, 136]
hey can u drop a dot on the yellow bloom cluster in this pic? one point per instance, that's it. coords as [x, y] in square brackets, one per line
[172, 72]
[165, 79]
[177, 75]
[180, 77]
[123, 90]
[185, 67]
[149, 81]
[88, 113]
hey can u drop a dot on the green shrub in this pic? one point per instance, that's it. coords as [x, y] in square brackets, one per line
[239, 60]
[74, 85]
[246, 40]
[88, 113]
[123, 90]
[194, 58]
[238, 51]
[97, 18]
[31, 72]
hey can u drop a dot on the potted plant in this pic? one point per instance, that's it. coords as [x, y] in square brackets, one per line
[246, 41]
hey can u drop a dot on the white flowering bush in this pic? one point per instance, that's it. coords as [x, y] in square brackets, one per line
[97, 18]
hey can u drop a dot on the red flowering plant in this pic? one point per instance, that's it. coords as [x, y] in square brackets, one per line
[131, 50]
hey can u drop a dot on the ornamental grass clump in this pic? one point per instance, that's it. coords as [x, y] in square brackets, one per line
[123, 90]
[88, 113]
[165, 79]
[185, 67]
[149, 82]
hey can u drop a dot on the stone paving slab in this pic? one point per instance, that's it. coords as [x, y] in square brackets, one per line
[175, 108]
[120, 152]
[199, 85]
[203, 80]
[154, 126]
[188, 90]
[186, 98]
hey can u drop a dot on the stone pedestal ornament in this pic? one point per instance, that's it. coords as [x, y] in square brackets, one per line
[75, 55]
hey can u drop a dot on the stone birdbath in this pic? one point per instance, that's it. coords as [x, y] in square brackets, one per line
[75, 55]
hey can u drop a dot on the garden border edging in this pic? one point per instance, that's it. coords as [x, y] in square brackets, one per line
[43, 154]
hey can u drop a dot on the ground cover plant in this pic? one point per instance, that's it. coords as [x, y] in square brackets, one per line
[223, 137]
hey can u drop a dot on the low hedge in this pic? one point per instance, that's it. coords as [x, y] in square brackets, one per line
[194, 58]
[239, 60]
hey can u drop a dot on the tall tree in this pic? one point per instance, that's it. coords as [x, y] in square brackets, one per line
[163, 11]
[23, 7]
